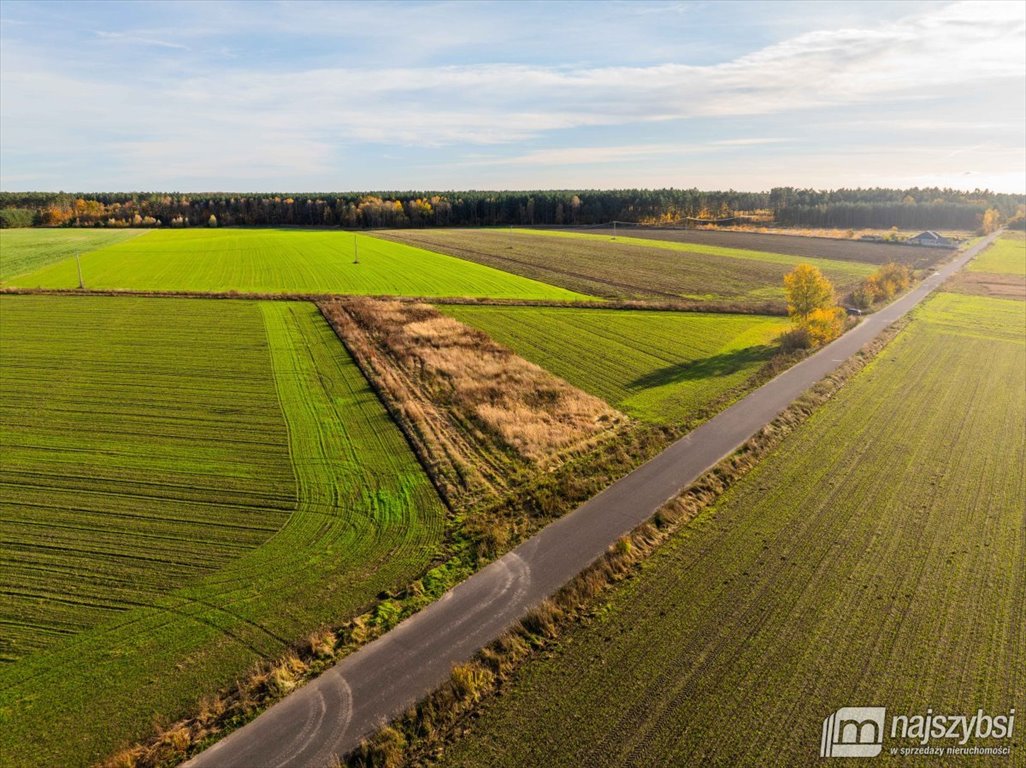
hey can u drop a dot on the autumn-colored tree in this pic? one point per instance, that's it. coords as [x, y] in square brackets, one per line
[991, 221]
[55, 216]
[825, 325]
[894, 278]
[865, 295]
[807, 290]
[888, 281]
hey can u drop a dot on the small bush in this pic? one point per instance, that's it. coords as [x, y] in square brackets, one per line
[883, 285]
[795, 339]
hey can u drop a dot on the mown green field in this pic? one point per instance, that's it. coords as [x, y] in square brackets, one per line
[877, 558]
[284, 261]
[1006, 255]
[661, 367]
[25, 250]
[226, 482]
[630, 267]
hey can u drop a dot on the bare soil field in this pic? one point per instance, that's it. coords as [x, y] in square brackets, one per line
[1001, 286]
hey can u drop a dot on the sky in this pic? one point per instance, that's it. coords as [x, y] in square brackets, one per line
[306, 96]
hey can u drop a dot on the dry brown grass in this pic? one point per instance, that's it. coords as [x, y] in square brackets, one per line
[487, 417]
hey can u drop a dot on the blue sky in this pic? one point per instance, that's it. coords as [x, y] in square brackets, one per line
[298, 96]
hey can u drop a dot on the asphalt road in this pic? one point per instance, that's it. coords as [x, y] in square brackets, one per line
[329, 716]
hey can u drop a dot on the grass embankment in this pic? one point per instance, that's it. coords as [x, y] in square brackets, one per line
[877, 557]
[284, 261]
[630, 267]
[661, 367]
[25, 250]
[365, 516]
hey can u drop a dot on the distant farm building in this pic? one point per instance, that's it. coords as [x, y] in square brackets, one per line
[931, 238]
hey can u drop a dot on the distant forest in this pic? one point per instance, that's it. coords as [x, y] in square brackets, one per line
[929, 208]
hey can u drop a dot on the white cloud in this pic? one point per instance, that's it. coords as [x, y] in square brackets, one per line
[134, 39]
[587, 155]
[228, 123]
[752, 142]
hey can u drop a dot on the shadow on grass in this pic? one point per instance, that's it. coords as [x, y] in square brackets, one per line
[704, 368]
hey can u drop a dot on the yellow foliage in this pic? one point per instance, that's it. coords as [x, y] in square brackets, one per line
[884, 284]
[991, 221]
[825, 325]
[807, 290]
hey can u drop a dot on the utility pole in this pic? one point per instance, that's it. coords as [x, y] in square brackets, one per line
[356, 250]
[78, 261]
[614, 229]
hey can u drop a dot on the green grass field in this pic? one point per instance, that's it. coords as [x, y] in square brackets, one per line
[25, 250]
[223, 481]
[630, 267]
[1006, 255]
[284, 261]
[877, 558]
[661, 367]
[154, 452]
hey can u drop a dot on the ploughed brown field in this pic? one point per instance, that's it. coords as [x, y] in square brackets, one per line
[994, 284]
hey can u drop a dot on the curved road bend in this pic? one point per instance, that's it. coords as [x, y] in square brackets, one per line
[329, 715]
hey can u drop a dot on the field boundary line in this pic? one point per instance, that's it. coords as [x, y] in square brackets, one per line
[684, 305]
[416, 657]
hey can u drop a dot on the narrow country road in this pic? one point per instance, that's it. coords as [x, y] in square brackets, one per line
[330, 715]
